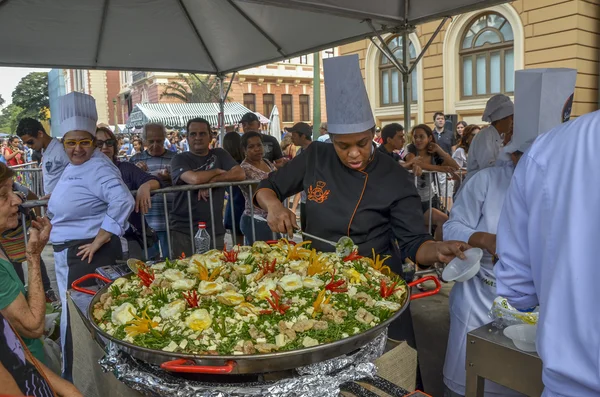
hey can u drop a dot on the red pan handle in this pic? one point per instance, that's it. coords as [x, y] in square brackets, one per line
[420, 295]
[76, 287]
[189, 366]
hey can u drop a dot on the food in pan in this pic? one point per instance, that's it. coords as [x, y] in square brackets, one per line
[250, 300]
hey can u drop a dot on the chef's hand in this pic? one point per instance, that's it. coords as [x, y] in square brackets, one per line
[282, 220]
[87, 251]
[440, 251]
[39, 233]
[486, 241]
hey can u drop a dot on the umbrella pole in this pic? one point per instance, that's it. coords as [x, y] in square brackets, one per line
[221, 110]
[316, 95]
[405, 80]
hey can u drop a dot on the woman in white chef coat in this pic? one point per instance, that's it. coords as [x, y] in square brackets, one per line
[89, 206]
[474, 218]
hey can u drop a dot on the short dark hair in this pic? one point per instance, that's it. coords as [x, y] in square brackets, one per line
[390, 130]
[29, 126]
[247, 136]
[438, 114]
[198, 120]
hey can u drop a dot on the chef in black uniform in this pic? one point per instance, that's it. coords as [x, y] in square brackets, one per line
[354, 190]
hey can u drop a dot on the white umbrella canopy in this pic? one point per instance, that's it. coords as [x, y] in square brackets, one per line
[204, 36]
[275, 124]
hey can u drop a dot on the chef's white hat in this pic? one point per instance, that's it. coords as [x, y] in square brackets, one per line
[348, 107]
[77, 112]
[497, 107]
[543, 100]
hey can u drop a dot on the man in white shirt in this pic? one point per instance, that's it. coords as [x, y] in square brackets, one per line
[324, 137]
[54, 158]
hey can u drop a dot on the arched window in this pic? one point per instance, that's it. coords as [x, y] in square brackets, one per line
[390, 78]
[487, 57]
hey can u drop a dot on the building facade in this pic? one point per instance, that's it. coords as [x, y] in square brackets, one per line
[287, 85]
[475, 56]
[103, 85]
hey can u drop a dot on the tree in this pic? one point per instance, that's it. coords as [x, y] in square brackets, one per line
[192, 88]
[9, 118]
[2, 100]
[31, 95]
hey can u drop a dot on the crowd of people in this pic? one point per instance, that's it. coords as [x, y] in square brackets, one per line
[381, 186]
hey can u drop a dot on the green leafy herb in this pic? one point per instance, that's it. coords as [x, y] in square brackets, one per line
[243, 283]
[115, 291]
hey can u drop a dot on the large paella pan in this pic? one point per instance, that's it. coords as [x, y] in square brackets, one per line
[269, 307]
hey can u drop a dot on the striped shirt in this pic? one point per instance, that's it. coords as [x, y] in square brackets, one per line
[156, 215]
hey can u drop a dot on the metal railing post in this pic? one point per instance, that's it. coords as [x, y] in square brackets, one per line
[144, 237]
[233, 228]
[24, 222]
[189, 201]
[252, 214]
[170, 249]
[212, 218]
[430, 203]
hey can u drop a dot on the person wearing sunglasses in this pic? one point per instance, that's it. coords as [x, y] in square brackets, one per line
[90, 206]
[54, 159]
[135, 179]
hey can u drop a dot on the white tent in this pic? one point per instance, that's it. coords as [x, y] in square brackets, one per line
[204, 36]
[275, 124]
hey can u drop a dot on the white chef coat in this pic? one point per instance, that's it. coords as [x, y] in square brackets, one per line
[476, 210]
[54, 161]
[548, 248]
[88, 197]
[484, 150]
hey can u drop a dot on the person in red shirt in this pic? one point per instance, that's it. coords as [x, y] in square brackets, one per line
[12, 153]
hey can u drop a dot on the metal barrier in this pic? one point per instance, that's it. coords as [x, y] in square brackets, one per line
[178, 189]
[30, 176]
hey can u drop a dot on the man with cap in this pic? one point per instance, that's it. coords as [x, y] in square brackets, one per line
[324, 134]
[90, 206]
[250, 122]
[476, 213]
[547, 244]
[302, 137]
[486, 145]
[343, 182]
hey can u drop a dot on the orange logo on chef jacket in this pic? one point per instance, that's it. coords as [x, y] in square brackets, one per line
[318, 194]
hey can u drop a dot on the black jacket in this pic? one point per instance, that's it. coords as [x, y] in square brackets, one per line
[374, 207]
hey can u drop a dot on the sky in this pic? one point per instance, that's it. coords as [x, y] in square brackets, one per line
[10, 77]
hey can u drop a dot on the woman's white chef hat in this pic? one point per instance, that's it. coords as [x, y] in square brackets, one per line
[77, 113]
[348, 107]
[498, 107]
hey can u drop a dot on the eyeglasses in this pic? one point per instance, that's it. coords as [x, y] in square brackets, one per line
[108, 142]
[72, 143]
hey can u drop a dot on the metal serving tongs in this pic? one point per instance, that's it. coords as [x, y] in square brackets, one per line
[343, 247]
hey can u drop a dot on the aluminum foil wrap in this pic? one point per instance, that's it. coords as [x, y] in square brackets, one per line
[317, 380]
[504, 315]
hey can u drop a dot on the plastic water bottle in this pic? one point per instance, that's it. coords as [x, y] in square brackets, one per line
[202, 239]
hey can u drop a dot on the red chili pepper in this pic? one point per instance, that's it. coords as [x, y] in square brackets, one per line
[386, 291]
[230, 256]
[266, 311]
[275, 303]
[191, 298]
[146, 275]
[182, 255]
[353, 256]
[336, 286]
[268, 267]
